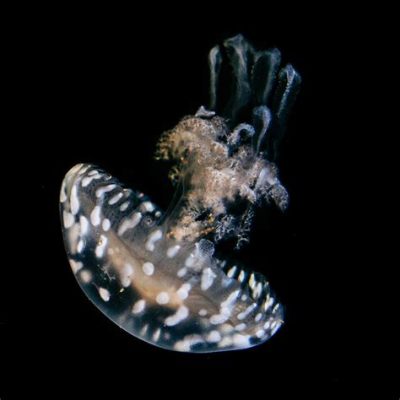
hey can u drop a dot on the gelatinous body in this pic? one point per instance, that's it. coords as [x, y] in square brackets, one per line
[155, 274]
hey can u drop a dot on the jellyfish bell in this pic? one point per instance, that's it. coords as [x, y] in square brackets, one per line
[154, 273]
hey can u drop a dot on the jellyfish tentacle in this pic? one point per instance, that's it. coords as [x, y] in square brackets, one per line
[261, 121]
[257, 80]
[264, 74]
[214, 62]
[240, 54]
[284, 97]
[287, 88]
[235, 138]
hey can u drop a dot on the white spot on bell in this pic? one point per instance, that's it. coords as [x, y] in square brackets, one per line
[68, 219]
[240, 327]
[258, 317]
[162, 298]
[101, 246]
[173, 251]
[182, 272]
[181, 313]
[86, 276]
[189, 262]
[74, 200]
[183, 291]
[247, 311]
[95, 216]
[144, 330]
[275, 309]
[230, 300]
[124, 206]
[217, 319]
[226, 329]
[154, 237]
[125, 281]
[92, 175]
[73, 235]
[231, 272]
[240, 340]
[257, 290]
[148, 268]
[75, 265]
[138, 307]
[128, 269]
[104, 294]
[115, 198]
[148, 206]
[126, 275]
[252, 280]
[156, 335]
[84, 225]
[182, 345]
[129, 223]
[241, 276]
[214, 337]
[207, 278]
[63, 196]
[86, 181]
[225, 342]
[260, 333]
[80, 246]
[268, 303]
[106, 224]
[274, 327]
[105, 189]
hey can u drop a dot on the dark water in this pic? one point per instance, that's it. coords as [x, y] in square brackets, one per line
[102, 93]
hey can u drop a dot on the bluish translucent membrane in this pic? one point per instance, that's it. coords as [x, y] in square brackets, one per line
[173, 294]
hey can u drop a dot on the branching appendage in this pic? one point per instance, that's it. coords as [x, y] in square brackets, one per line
[222, 170]
[224, 177]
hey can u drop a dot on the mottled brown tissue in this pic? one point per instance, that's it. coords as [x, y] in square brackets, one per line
[216, 170]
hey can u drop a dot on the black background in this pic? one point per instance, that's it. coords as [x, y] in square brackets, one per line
[101, 90]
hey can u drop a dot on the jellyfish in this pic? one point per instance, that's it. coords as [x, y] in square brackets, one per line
[157, 274]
